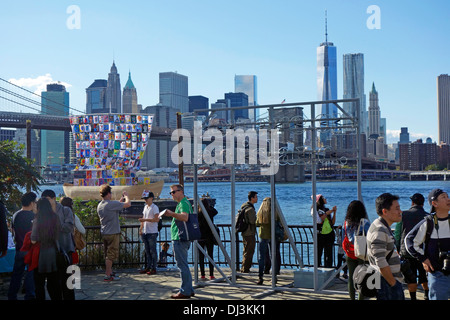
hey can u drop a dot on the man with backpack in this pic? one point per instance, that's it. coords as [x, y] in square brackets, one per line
[248, 213]
[411, 267]
[429, 242]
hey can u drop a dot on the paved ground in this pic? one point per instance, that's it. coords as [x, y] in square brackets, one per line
[135, 286]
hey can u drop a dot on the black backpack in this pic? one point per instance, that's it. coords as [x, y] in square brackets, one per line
[241, 225]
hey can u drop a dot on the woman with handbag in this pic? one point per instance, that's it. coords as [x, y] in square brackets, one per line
[355, 225]
[46, 232]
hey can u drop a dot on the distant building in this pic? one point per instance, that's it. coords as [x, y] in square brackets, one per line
[444, 156]
[404, 135]
[158, 153]
[55, 101]
[238, 99]
[374, 113]
[173, 91]
[416, 156]
[327, 85]
[96, 97]
[248, 85]
[114, 91]
[129, 97]
[443, 99]
[353, 87]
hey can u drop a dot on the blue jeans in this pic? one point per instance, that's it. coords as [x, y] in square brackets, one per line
[180, 250]
[149, 240]
[16, 278]
[265, 256]
[386, 292]
[439, 285]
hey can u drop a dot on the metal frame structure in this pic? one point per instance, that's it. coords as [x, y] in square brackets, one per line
[353, 123]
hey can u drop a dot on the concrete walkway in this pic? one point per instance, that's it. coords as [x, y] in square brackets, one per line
[135, 286]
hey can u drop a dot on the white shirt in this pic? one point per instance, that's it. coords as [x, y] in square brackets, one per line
[149, 213]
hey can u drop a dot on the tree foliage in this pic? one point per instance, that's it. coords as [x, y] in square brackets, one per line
[16, 173]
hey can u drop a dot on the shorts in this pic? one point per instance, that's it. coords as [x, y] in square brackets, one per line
[111, 243]
[416, 269]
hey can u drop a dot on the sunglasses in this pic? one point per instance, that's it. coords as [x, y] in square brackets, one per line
[172, 192]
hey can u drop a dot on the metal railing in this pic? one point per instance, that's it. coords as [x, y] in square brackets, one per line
[132, 253]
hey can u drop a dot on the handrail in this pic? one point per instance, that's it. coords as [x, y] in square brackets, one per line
[132, 253]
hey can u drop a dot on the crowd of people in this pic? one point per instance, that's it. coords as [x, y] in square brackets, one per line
[417, 252]
[43, 232]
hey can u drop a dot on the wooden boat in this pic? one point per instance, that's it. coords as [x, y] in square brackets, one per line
[93, 192]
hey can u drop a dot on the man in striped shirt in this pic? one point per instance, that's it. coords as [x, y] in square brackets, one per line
[383, 255]
[429, 242]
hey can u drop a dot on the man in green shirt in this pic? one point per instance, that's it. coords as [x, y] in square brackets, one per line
[181, 248]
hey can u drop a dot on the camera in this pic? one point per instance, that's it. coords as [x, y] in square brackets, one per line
[444, 256]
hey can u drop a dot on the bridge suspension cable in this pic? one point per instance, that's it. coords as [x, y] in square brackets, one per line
[19, 98]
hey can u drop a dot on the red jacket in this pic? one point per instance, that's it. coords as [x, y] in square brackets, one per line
[32, 256]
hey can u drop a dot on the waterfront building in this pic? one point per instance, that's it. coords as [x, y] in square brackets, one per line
[353, 86]
[96, 97]
[114, 91]
[129, 102]
[248, 85]
[173, 91]
[55, 144]
[327, 84]
[443, 100]
[417, 155]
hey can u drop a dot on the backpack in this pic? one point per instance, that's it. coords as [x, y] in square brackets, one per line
[347, 245]
[241, 225]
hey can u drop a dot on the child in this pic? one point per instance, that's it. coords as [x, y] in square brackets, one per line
[163, 255]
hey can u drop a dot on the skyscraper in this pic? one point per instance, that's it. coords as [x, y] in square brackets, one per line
[114, 91]
[354, 87]
[173, 91]
[327, 83]
[239, 99]
[130, 104]
[96, 97]
[374, 113]
[55, 144]
[248, 85]
[443, 91]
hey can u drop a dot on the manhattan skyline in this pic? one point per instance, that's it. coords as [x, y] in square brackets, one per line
[210, 43]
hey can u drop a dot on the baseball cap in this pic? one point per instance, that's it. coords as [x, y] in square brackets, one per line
[417, 198]
[147, 194]
[434, 194]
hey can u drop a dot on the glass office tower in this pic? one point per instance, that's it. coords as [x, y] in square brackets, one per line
[247, 85]
[173, 91]
[55, 144]
[354, 87]
[327, 85]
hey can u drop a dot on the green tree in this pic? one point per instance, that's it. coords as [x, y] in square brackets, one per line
[16, 174]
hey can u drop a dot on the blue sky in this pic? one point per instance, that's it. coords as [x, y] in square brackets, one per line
[210, 41]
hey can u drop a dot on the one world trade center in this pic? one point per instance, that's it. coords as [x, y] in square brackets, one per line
[327, 86]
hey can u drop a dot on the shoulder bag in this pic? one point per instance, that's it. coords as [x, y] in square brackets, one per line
[360, 243]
